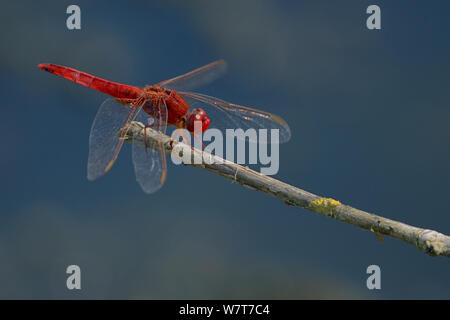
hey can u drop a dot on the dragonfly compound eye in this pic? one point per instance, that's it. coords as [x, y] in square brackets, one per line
[198, 115]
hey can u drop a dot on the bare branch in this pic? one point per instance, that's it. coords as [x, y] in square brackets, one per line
[429, 241]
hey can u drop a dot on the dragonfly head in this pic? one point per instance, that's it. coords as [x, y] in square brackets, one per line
[197, 114]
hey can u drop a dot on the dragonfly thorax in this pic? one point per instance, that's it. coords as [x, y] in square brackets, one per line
[177, 108]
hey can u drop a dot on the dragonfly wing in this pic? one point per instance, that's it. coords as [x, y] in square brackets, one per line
[104, 140]
[197, 77]
[150, 164]
[225, 115]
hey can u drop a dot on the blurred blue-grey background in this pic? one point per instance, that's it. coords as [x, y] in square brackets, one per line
[369, 112]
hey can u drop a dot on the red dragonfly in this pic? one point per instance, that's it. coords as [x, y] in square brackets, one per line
[165, 103]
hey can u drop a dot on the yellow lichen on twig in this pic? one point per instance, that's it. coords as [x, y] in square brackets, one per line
[324, 206]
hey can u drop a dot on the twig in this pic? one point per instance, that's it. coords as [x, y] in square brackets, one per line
[429, 241]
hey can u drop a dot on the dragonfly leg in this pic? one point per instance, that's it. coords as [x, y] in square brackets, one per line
[146, 145]
[199, 140]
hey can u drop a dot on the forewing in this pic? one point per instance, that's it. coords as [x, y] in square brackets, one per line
[104, 140]
[150, 162]
[225, 115]
[197, 77]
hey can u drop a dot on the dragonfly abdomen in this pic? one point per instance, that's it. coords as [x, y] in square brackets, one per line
[114, 89]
